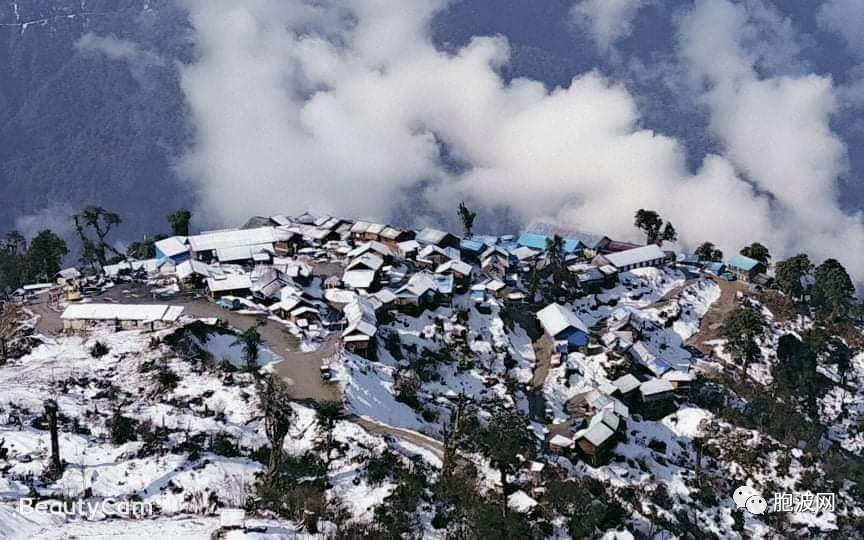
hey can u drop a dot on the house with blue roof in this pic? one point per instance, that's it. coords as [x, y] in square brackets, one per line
[471, 249]
[745, 268]
[538, 241]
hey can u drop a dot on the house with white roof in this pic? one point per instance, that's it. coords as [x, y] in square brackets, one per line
[640, 257]
[229, 285]
[438, 238]
[123, 316]
[566, 330]
[362, 325]
[599, 436]
[174, 248]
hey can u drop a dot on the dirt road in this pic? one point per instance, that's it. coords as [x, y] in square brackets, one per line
[709, 328]
[300, 369]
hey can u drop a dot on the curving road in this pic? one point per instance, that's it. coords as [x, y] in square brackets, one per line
[301, 370]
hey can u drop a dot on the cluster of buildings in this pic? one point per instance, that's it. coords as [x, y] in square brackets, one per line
[332, 275]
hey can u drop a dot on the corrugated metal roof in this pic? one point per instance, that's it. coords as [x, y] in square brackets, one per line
[234, 238]
[740, 262]
[229, 282]
[555, 318]
[632, 257]
[122, 312]
[171, 246]
[431, 236]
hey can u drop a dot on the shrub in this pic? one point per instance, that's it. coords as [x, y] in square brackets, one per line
[123, 429]
[99, 349]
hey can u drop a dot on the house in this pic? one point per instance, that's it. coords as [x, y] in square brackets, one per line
[174, 248]
[373, 247]
[640, 257]
[366, 230]
[679, 378]
[656, 389]
[560, 444]
[123, 316]
[431, 256]
[420, 290]
[525, 254]
[496, 262]
[267, 284]
[626, 384]
[392, 237]
[229, 285]
[193, 274]
[438, 238]
[460, 270]
[563, 327]
[257, 253]
[205, 246]
[366, 261]
[68, 277]
[361, 279]
[716, 268]
[745, 268]
[520, 502]
[533, 241]
[296, 309]
[408, 249]
[362, 325]
[471, 249]
[599, 436]
[640, 353]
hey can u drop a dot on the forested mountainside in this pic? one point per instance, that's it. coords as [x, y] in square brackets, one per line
[78, 126]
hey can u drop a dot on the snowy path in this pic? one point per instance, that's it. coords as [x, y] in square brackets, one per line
[424, 441]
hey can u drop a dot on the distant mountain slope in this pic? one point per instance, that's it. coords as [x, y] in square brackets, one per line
[77, 127]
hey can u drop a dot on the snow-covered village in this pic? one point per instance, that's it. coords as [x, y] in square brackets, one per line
[320, 377]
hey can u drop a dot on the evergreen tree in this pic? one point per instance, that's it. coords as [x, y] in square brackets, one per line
[45, 255]
[833, 290]
[707, 251]
[179, 222]
[656, 230]
[741, 329]
[507, 442]
[790, 274]
[758, 252]
[13, 261]
[251, 342]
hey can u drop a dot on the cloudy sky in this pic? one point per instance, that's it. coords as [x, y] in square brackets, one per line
[737, 121]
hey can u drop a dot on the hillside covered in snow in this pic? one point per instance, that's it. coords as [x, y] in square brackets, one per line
[345, 379]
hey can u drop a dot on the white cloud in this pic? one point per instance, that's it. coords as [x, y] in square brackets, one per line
[347, 109]
[117, 49]
[607, 20]
[58, 218]
[776, 130]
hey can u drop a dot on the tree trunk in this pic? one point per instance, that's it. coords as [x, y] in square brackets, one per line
[56, 466]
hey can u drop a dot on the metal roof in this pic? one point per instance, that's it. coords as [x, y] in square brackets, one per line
[555, 318]
[431, 236]
[229, 282]
[740, 262]
[233, 238]
[122, 312]
[632, 257]
[171, 246]
[655, 386]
